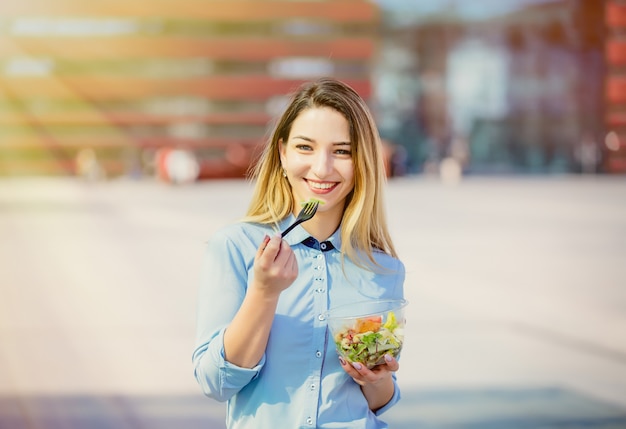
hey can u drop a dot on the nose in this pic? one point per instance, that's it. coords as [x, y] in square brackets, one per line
[322, 164]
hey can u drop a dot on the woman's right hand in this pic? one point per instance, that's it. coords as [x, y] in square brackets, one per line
[275, 266]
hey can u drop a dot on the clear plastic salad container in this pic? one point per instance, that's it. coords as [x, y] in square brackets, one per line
[366, 331]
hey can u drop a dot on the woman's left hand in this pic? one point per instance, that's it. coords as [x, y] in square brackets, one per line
[364, 376]
[376, 383]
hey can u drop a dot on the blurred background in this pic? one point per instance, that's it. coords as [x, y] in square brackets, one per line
[127, 128]
[112, 88]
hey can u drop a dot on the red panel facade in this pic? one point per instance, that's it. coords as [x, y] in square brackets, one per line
[616, 86]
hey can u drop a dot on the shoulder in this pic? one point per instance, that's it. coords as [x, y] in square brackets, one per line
[388, 262]
[382, 278]
[383, 265]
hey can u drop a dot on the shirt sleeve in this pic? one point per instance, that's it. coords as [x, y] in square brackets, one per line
[218, 378]
[223, 285]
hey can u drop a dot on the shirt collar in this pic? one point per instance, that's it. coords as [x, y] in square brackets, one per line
[300, 235]
[324, 246]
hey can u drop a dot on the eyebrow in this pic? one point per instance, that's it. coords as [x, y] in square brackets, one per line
[313, 141]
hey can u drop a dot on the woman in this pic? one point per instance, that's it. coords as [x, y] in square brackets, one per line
[262, 341]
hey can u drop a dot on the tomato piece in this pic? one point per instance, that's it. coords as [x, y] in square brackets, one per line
[369, 324]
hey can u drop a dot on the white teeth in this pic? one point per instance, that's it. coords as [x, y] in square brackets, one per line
[321, 185]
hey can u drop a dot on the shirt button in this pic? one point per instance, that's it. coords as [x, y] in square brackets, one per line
[309, 421]
[319, 256]
[321, 317]
[320, 290]
[318, 354]
[323, 246]
[312, 386]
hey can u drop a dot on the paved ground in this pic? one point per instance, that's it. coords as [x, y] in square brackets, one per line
[517, 290]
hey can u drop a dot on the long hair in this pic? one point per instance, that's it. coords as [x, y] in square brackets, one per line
[363, 226]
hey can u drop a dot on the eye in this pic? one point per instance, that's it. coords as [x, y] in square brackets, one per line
[343, 152]
[304, 147]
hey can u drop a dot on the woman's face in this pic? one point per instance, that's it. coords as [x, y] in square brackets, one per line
[317, 158]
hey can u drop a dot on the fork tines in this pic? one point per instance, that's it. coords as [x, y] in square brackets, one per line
[311, 207]
[307, 212]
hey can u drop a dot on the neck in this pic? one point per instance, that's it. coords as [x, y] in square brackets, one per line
[323, 224]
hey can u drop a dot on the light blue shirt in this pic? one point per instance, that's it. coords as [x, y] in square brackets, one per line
[299, 382]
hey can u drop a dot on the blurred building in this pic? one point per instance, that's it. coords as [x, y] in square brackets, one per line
[132, 87]
[115, 85]
[516, 89]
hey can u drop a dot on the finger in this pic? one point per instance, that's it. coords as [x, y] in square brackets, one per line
[366, 375]
[285, 255]
[392, 363]
[262, 246]
[347, 367]
[286, 262]
[272, 247]
[361, 369]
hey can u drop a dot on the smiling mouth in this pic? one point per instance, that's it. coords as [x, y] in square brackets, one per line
[321, 186]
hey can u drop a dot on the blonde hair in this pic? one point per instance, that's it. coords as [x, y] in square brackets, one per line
[363, 227]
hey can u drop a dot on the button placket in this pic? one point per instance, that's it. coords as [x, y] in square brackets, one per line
[320, 306]
[319, 268]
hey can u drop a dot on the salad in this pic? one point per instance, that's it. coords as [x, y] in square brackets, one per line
[369, 339]
[311, 200]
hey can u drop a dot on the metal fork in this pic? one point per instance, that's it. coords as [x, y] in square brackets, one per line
[307, 212]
